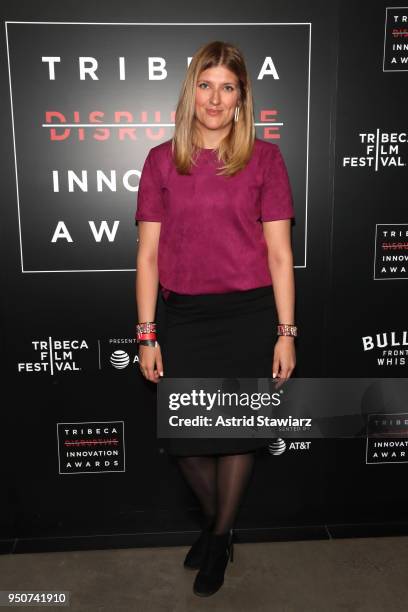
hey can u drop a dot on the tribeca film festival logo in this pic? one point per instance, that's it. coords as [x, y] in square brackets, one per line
[55, 356]
[391, 251]
[395, 58]
[379, 150]
[387, 438]
[390, 347]
[91, 447]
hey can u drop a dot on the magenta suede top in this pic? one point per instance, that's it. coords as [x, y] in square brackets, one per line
[211, 236]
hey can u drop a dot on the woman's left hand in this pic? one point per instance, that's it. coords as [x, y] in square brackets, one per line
[284, 357]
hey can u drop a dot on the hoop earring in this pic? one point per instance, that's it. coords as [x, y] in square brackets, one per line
[236, 113]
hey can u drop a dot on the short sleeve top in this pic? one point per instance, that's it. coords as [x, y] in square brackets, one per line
[211, 235]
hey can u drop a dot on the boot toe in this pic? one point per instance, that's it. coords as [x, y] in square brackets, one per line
[205, 585]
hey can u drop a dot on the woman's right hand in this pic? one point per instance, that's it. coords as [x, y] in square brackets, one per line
[150, 361]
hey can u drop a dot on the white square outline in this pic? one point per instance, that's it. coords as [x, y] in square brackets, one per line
[375, 255]
[382, 462]
[307, 23]
[84, 423]
[385, 32]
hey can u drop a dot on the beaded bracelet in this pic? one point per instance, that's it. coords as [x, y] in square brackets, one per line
[146, 327]
[146, 333]
[285, 329]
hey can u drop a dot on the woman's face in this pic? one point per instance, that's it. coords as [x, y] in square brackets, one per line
[217, 95]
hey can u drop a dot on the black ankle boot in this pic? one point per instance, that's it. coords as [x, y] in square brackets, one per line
[195, 555]
[210, 578]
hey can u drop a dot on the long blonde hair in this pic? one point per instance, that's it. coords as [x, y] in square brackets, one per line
[236, 148]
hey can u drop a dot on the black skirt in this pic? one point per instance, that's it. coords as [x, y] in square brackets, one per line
[215, 336]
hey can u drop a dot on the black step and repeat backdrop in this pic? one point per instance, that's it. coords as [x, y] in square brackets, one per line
[83, 101]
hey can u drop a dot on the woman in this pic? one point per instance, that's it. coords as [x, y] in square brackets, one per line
[214, 210]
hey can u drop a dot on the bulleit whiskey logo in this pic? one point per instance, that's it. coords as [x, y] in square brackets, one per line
[390, 347]
[395, 39]
[91, 447]
[387, 438]
[391, 251]
[378, 150]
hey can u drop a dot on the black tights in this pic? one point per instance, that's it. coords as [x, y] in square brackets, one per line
[219, 482]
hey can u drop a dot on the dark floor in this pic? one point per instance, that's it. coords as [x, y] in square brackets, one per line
[345, 574]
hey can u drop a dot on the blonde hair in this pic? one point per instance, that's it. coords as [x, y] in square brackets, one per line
[236, 148]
